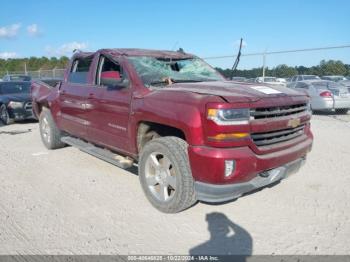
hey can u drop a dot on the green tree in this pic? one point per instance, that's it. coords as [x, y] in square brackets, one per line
[285, 71]
[332, 67]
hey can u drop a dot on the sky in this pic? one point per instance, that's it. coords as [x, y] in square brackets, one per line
[205, 28]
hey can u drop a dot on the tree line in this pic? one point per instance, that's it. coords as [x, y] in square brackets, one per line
[32, 64]
[330, 67]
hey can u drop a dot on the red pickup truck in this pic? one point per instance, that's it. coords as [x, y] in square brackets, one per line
[193, 134]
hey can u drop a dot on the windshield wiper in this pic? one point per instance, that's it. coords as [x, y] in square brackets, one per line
[173, 81]
[186, 81]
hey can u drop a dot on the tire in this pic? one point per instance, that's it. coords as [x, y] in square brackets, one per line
[50, 134]
[4, 115]
[165, 174]
[342, 111]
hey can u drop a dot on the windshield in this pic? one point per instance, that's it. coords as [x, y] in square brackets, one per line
[330, 85]
[14, 88]
[19, 78]
[152, 70]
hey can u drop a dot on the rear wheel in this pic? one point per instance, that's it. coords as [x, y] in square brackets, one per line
[165, 174]
[4, 115]
[50, 134]
[342, 111]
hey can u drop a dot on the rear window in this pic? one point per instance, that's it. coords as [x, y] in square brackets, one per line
[15, 88]
[79, 71]
[330, 85]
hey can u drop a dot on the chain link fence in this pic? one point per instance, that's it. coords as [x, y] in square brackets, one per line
[285, 64]
[321, 62]
[39, 74]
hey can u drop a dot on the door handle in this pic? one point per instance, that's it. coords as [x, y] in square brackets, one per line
[91, 96]
[63, 92]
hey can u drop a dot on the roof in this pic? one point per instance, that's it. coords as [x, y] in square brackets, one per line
[138, 52]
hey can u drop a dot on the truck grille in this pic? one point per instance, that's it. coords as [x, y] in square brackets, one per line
[273, 137]
[277, 111]
[28, 106]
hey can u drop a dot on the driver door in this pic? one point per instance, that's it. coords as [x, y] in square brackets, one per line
[109, 107]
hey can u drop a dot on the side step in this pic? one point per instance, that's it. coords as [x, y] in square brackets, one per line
[104, 154]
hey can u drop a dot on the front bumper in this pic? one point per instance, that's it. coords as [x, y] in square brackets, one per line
[342, 103]
[220, 193]
[21, 114]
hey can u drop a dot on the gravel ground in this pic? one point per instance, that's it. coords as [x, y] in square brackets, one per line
[68, 202]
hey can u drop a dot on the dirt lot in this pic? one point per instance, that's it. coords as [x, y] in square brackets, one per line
[68, 202]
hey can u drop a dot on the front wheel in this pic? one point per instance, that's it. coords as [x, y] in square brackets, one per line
[342, 111]
[50, 134]
[165, 174]
[4, 115]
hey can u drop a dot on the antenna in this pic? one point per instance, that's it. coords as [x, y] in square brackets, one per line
[174, 46]
[234, 67]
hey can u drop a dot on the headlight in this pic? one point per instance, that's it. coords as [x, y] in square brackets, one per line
[308, 108]
[227, 117]
[14, 105]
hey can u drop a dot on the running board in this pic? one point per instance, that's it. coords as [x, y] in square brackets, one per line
[104, 154]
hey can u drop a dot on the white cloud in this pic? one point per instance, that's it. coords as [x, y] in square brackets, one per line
[66, 49]
[9, 31]
[33, 30]
[7, 55]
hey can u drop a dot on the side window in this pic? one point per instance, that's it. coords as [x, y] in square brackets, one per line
[79, 71]
[109, 71]
[294, 79]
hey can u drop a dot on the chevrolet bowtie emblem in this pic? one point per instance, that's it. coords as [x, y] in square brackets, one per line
[293, 122]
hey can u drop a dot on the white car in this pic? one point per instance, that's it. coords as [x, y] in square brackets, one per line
[270, 81]
[326, 95]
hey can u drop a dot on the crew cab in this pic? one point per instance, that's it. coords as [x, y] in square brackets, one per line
[193, 135]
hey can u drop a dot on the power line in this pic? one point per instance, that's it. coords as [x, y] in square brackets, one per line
[280, 52]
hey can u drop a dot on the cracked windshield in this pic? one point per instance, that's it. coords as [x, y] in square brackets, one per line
[155, 71]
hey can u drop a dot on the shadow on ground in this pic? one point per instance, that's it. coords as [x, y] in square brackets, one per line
[226, 238]
[15, 132]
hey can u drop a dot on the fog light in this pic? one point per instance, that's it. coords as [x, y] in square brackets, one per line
[230, 166]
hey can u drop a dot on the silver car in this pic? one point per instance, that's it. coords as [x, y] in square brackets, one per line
[326, 95]
[345, 83]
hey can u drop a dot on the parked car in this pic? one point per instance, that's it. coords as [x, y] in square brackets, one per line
[16, 78]
[194, 135]
[326, 95]
[345, 83]
[15, 101]
[282, 80]
[334, 78]
[239, 79]
[270, 81]
[297, 78]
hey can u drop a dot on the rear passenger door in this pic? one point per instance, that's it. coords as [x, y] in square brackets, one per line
[73, 95]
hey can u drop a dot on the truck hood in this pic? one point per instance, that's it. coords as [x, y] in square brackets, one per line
[235, 92]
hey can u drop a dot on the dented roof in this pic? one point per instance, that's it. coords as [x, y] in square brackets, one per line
[138, 52]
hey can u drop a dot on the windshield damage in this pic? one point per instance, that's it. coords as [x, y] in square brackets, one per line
[162, 72]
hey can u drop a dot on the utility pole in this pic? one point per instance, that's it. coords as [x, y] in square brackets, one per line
[25, 68]
[264, 63]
